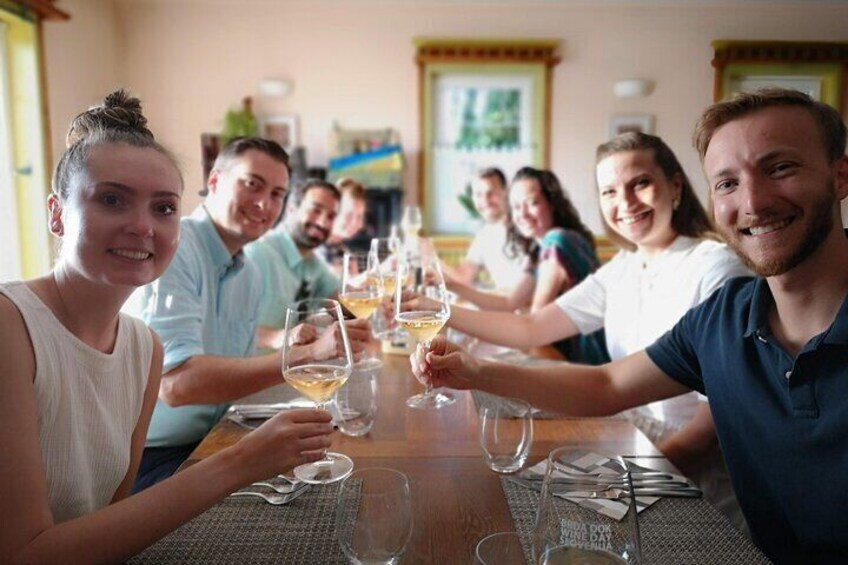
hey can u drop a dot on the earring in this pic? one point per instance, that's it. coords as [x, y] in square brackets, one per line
[675, 204]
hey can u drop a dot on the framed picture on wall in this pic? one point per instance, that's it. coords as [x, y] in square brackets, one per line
[484, 103]
[642, 123]
[814, 68]
[282, 129]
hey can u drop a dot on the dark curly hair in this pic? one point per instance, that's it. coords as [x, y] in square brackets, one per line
[564, 214]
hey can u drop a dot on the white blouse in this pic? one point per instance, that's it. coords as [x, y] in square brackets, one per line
[88, 404]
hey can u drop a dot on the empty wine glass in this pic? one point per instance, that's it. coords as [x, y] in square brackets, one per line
[319, 375]
[424, 316]
[361, 289]
[374, 516]
[506, 433]
[571, 527]
[386, 253]
[411, 224]
[502, 548]
[357, 399]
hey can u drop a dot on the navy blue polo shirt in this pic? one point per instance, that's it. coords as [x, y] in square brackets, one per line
[782, 422]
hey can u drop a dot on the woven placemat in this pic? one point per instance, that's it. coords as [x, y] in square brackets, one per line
[674, 531]
[249, 530]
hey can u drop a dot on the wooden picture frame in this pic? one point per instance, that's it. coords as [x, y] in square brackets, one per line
[623, 123]
[282, 129]
[485, 68]
[817, 68]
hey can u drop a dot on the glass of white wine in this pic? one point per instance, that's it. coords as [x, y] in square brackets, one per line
[387, 258]
[424, 317]
[411, 223]
[319, 377]
[361, 289]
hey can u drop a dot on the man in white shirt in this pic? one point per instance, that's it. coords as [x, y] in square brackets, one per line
[487, 250]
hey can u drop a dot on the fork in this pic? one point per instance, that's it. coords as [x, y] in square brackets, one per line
[274, 498]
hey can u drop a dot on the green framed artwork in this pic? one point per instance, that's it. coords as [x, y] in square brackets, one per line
[482, 104]
[818, 69]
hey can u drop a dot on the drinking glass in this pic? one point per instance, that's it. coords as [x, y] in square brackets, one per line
[502, 548]
[319, 376]
[506, 434]
[361, 290]
[423, 317]
[386, 253]
[567, 532]
[357, 399]
[411, 222]
[374, 516]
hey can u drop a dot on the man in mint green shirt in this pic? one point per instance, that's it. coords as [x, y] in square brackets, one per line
[205, 307]
[285, 257]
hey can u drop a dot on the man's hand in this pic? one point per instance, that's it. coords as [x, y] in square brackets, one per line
[445, 364]
[303, 334]
[329, 344]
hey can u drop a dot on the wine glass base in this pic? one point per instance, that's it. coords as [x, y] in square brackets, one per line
[432, 401]
[334, 467]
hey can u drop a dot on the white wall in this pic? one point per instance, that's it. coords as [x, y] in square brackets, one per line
[353, 62]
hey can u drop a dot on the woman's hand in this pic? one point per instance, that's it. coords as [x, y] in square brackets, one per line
[289, 439]
[446, 365]
[413, 301]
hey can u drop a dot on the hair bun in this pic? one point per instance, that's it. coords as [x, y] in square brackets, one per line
[119, 111]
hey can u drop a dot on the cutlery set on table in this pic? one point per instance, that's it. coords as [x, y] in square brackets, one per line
[284, 490]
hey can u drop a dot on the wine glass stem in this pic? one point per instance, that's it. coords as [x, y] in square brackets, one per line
[425, 348]
[324, 406]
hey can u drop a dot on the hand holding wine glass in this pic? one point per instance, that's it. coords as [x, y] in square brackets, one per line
[362, 284]
[319, 379]
[427, 320]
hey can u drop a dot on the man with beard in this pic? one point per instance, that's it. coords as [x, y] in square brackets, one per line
[771, 353]
[205, 307]
[286, 257]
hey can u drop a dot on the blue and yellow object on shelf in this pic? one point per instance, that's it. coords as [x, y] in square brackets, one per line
[375, 168]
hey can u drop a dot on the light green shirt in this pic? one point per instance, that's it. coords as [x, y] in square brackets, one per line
[287, 276]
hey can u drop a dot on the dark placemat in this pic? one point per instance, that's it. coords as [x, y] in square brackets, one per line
[249, 530]
[674, 531]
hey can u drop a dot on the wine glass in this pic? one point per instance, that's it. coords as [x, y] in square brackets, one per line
[424, 316]
[411, 224]
[319, 375]
[386, 253]
[374, 516]
[361, 289]
[571, 527]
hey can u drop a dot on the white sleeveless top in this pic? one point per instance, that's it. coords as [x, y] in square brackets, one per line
[88, 404]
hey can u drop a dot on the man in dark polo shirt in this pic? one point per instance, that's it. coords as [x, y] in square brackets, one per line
[770, 352]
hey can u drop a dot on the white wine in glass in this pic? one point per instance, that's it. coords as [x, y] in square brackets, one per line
[386, 257]
[362, 285]
[319, 375]
[423, 325]
[423, 317]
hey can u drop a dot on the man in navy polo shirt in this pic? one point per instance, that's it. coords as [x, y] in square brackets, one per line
[770, 352]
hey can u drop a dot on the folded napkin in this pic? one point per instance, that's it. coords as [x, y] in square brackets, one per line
[592, 464]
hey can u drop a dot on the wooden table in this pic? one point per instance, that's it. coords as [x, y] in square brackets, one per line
[457, 500]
